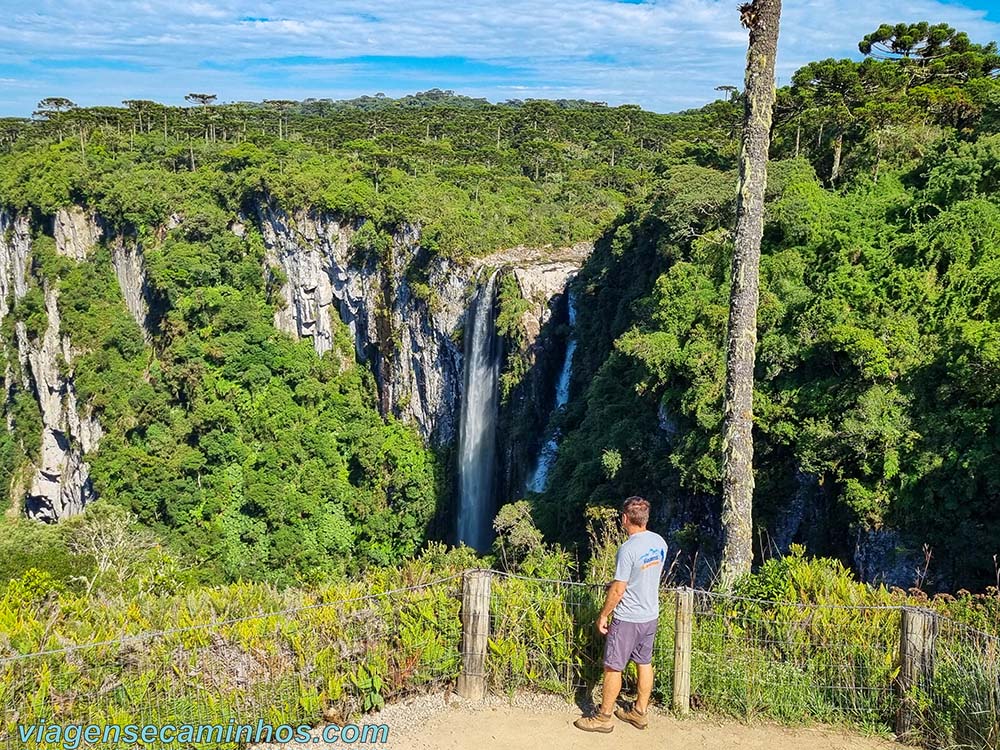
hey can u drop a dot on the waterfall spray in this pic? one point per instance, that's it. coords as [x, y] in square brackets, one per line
[477, 429]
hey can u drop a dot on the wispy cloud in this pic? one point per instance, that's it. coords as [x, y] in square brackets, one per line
[663, 54]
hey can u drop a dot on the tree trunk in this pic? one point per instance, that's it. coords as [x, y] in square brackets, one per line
[838, 150]
[878, 157]
[760, 17]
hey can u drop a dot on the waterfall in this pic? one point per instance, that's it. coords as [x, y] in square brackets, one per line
[477, 429]
[547, 455]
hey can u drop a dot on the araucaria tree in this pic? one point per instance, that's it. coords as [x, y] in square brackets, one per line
[761, 18]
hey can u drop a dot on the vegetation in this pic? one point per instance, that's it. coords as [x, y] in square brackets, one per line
[262, 534]
[801, 641]
[248, 456]
[876, 370]
[178, 654]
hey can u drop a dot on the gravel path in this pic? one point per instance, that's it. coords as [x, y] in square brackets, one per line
[530, 722]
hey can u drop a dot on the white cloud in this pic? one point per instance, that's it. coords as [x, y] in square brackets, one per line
[663, 54]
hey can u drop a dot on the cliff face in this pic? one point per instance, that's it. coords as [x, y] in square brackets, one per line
[130, 270]
[543, 277]
[42, 365]
[412, 342]
[405, 311]
[408, 345]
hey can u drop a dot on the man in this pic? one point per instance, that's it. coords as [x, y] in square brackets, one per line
[634, 597]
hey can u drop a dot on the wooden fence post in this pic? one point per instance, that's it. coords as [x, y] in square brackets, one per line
[682, 650]
[475, 633]
[917, 632]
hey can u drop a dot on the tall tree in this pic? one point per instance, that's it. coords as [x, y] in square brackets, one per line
[53, 105]
[928, 52]
[282, 106]
[201, 99]
[760, 18]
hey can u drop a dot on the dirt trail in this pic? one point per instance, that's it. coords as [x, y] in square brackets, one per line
[549, 726]
[545, 722]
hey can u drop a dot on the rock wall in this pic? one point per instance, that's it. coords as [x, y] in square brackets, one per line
[76, 232]
[412, 342]
[43, 366]
[130, 270]
[882, 556]
[543, 277]
[409, 346]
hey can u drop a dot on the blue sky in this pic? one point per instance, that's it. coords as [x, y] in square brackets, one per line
[662, 54]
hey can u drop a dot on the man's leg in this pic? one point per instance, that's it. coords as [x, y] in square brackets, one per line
[616, 650]
[612, 687]
[645, 686]
[642, 655]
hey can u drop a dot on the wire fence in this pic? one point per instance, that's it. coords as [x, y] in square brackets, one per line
[304, 665]
[749, 658]
[791, 662]
[960, 703]
[786, 661]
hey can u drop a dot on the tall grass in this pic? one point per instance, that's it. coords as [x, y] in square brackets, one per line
[799, 641]
[243, 652]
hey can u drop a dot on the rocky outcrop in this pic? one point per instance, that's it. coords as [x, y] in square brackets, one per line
[60, 485]
[408, 345]
[130, 270]
[881, 556]
[408, 333]
[543, 276]
[75, 232]
[15, 248]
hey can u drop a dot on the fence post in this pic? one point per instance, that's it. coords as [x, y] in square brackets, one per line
[682, 650]
[917, 632]
[475, 633]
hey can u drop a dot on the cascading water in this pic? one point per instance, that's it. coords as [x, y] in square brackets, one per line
[539, 480]
[478, 425]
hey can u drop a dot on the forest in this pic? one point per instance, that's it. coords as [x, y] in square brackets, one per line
[231, 452]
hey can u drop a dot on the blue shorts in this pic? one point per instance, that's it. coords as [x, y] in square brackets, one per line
[629, 641]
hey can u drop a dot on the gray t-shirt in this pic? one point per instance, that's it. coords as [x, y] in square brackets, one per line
[640, 563]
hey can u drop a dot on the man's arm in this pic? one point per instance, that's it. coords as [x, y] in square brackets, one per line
[615, 593]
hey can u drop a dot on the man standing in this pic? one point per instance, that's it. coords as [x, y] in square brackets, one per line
[634, 597]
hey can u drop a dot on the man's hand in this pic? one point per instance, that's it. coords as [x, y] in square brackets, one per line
[615, 593]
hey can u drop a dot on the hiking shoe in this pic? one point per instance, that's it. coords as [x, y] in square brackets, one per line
[597, 722]
[633, 717]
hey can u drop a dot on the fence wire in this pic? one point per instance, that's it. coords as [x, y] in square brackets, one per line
[959, 703]
[787, 661]
[750, 658]
[297, 666]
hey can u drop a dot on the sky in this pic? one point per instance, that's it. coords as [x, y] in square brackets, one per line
[664, 55]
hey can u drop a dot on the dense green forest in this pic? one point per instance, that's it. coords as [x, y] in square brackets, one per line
[878, 366]
[250, 457]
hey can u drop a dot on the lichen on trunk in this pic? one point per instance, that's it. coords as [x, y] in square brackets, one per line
[761, 18]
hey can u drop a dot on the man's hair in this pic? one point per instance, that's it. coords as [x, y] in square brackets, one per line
[636, 510]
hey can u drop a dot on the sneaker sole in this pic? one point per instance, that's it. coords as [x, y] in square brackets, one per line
[600, 730]
[630, 721]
